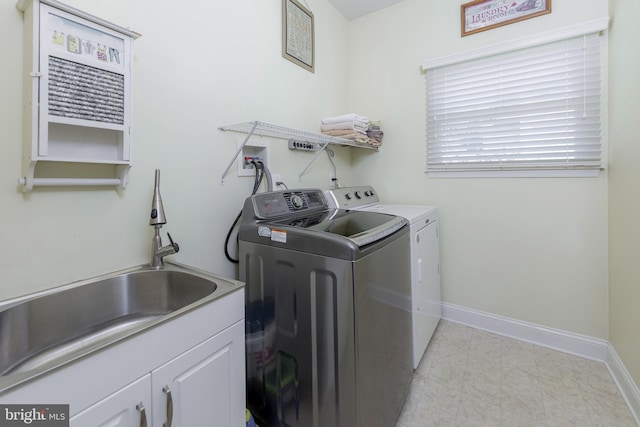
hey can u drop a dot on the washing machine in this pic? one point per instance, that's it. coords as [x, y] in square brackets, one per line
[327, 311]
[426, 300]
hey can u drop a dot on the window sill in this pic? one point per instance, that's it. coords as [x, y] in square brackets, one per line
[516, 174]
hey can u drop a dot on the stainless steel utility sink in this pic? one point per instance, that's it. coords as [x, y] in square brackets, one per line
[64, 324]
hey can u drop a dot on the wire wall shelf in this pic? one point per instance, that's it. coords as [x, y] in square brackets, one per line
[281, 132]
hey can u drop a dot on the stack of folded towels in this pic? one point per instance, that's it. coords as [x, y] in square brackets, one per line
[375, 133]
[353, 127]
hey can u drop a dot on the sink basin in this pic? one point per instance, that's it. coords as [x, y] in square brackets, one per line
[64, 324]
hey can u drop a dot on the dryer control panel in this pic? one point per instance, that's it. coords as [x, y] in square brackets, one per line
[352, 197]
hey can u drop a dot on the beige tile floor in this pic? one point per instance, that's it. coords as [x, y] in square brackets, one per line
[470, 377]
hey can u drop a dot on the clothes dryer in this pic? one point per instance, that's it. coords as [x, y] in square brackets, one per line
[426, 299]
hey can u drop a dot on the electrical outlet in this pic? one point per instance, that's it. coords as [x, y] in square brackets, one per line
[303, 145]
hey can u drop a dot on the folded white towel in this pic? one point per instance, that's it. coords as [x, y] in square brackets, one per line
[354, 136]
[353, 125]
[352, 117]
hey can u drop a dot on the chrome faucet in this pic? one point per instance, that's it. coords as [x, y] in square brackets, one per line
[157, 220]
[158, 252]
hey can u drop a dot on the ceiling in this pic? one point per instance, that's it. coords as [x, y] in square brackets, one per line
[353, 9]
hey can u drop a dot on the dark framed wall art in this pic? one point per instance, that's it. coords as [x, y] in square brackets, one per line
[482, 15]
[298, 44]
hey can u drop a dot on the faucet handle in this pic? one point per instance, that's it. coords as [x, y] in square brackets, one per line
[173, 244]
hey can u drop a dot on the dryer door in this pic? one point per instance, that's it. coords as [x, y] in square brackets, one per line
[426, 298]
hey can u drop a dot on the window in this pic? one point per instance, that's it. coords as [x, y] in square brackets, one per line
[525, 112]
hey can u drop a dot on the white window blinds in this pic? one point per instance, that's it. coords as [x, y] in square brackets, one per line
[536, 108]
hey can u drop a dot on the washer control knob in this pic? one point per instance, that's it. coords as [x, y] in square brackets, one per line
[348, 196]
[297, 201]
[358, 194]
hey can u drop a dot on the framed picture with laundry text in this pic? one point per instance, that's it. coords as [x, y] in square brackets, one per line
[298, 45]
[481, 15]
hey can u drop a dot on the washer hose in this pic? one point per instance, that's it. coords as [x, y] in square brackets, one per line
[259, 168]
[269, 177]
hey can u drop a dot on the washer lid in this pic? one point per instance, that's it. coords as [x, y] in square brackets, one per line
[360, 227]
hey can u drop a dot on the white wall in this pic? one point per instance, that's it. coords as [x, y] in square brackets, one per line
[624, 179]
[529, 249]
[198, 65]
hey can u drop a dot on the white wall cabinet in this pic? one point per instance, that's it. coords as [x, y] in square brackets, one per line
[77, 90]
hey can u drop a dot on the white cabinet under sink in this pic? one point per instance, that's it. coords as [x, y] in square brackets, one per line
[124, 408]
[197, 388]
[194, 389]
[191, 367]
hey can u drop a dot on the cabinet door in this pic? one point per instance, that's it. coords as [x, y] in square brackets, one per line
[129, 407]
[426, 292]
[204, 386]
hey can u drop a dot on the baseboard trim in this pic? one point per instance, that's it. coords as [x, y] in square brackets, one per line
[628, 388]
[567, 342]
